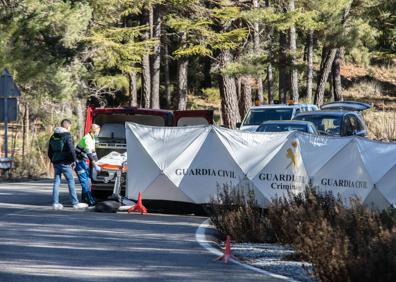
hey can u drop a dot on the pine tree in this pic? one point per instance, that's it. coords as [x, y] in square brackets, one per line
[156, 11]
[257, 50]
[119, 46]
[293, 49]
[146, 72]
[228, 38]
[101, 49]
[310, 39]
[39, 43]
[335, 16]
[189, 30]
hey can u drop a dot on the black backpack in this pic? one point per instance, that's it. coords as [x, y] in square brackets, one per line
[57, 145]
[109, 206]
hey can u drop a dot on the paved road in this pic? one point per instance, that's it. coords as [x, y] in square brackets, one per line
[39, 244]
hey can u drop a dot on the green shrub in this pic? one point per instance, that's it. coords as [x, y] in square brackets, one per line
[343, 244]
[237, 214]
[212, 94]
[354, 244]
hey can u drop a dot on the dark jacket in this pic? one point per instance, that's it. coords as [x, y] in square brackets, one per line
[68, 153]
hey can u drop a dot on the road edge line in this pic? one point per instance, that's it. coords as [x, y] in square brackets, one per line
[206, 243]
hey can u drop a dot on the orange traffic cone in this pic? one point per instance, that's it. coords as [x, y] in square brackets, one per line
[139, 206]
[227, 251]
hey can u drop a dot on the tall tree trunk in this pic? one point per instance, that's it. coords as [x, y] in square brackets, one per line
[239, 90]
[282, 68]
[339, 57]
[324, 75]
[323, 57]
[80, 110]
[257, 51]
[167, 79]
[25, 138]
[146, 81]
[293, 48]
[331, 86]
[182, 75]
[309, 65]
[246, 96]
[151, 20]
[156, 59]
[336, 71]
[269, 83]
[327, 63]
[207, 67]
[13, 144]
[269, 66]
[132, 89]
[228, 94]
[146, 75]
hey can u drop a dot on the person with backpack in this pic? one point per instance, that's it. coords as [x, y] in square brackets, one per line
[62, 155]
[85, 152]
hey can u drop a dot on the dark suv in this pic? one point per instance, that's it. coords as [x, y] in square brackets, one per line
[336, 123]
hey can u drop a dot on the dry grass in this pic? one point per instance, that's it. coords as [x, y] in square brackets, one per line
[354, 244]
[383, 73]
[364, 89]
[35, 163]
[379, 92]
[381, 125]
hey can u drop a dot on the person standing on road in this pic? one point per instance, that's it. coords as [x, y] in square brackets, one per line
[85, 151]
[62, 155]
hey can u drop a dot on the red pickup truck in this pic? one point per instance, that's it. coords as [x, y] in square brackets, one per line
[112, 134]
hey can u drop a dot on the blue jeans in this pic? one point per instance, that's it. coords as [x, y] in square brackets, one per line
[82, 171]
[67, 171]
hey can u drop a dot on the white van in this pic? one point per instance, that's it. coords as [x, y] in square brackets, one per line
[259, 114]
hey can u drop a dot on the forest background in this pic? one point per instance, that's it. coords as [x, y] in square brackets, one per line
[192, 54]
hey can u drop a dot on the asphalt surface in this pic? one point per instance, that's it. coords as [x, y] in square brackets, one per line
[39, 244]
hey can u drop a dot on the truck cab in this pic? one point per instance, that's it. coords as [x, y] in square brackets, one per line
[112, 134]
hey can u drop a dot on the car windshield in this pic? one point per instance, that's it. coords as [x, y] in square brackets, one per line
[282, 127]
[325, 124]
[258, 116]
